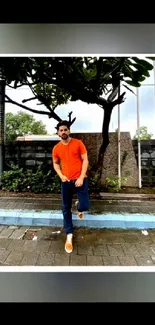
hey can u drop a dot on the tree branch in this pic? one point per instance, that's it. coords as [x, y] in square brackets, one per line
[50, 114]
[21, 85]
[101, 102]
[119, 100]
[42, 102]
[70, 119]
[113, 94]
[27, 100]
[69, 115]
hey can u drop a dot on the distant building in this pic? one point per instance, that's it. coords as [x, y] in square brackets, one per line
[32, 137]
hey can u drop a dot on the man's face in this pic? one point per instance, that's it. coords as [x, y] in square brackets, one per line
[63, 132]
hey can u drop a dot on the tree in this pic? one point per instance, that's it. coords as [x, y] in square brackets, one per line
[143, 134]
[21, 124]
[56, 80]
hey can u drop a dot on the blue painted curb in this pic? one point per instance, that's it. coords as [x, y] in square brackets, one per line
[54, 218]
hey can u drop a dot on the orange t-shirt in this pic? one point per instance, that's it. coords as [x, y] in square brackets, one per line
[69, 157]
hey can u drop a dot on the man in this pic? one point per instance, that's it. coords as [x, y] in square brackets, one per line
[70, 161]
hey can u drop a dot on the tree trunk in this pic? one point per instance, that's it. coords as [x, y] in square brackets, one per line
[105, 139]
[105, 133]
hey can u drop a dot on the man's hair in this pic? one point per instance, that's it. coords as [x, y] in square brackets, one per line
[62, 123]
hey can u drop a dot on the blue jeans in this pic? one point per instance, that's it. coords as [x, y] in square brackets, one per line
[68, 190]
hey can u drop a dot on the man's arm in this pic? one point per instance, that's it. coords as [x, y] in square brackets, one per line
[85, 164]
[56, 166]
[56, 162]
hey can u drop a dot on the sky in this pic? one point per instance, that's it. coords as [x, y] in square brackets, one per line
[89, 117]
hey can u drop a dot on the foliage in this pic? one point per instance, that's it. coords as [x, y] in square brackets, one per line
[21, 124]
[94, 184]
[94, 80]
[113, 183]
[143, 134]
[18, 180]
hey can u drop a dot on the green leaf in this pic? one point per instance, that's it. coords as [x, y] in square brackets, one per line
[140, 71]
[143, 63]
[141, 79]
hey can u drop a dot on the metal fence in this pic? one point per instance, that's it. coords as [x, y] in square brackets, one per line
[147, 161]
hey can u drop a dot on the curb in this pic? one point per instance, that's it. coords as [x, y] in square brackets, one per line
[100, 197]
[122, 196]
[54, 218]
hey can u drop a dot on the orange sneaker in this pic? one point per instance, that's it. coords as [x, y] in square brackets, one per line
[69, 243]
[80, 214]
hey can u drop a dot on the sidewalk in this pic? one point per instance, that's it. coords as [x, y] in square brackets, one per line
[44, 245]
[127, 196]
[110, 212]
[91, 247]
[108, 202]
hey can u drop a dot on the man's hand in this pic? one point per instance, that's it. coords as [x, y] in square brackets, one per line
[64, 178]
[79, 182]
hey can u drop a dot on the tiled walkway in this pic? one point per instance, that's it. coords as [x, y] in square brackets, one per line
[91, 247]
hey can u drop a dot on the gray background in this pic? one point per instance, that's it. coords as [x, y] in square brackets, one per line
[77, 38]
[77, 287]
[88, 39]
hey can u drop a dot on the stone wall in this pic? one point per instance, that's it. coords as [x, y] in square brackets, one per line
[129, 166]
[32, 154]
